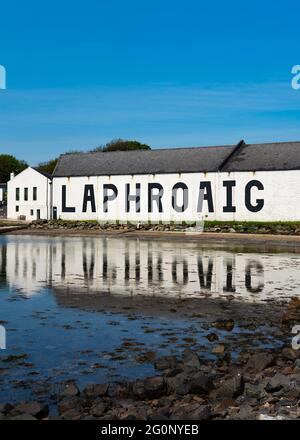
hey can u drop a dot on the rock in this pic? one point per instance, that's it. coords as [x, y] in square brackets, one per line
[193, 411]
[201, 384]
[166, 363]
[70, 390]
[212, 337]
[34, 409]
[93, 391]
[218, 349]
[221, 407]
[232, 387]
[149, 388]
[255, 391]
[277, 382]
[22, 417]
[6, 408]
[67, 404]
[289, 353]
[259, 362]
[99, 409]
[292, 313]
[246, 412]
[224, 324]
[179, 384]
[190, 359]
[72, 414]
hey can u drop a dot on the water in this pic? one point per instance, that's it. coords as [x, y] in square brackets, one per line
[96, 309]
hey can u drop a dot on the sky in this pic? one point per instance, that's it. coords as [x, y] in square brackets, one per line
[167, 73]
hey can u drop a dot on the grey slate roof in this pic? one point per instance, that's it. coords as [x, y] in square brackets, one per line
[265, 157]
[240, 157]
[173, 160]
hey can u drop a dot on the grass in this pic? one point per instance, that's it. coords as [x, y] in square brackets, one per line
[253, 226]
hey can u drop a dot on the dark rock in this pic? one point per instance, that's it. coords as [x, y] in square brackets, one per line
[224, 324]
[201, 384]
[193, 411]
[212, 337]
[93, 391]
[67, 404]
[190, 359]
[166, 363]
[289, 353]
[232, 387]
[149, 388]
[22, 417]
[277, 382]
[99, 409]
[259, 362]
[70, 389]
[34, 409]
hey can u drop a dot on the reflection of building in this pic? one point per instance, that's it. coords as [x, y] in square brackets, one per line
[3, 191]
[139, 267]
[29, 195]
[241, 182]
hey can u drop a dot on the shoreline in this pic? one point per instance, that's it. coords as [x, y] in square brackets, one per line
[217, 238]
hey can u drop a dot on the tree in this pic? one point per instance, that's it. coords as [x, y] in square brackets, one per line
[47, 167]
[121, 145]
[10, 164]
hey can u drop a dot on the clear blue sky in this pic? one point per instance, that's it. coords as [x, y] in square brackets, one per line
[166, 72]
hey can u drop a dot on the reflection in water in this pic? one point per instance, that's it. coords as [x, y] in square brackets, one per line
[136, 266]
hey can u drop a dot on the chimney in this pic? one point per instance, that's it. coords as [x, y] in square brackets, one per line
[12, 175]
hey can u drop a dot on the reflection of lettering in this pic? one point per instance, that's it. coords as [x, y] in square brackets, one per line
[118, 265]
[229, 278]
[205, 279]
[248, 276]
[2, 338]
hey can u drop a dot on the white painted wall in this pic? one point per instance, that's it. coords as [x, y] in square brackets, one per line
[281, 195]
[29, 178]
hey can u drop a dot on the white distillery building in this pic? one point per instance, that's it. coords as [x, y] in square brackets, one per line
[3, 191]
[243, 182]
[29, 195]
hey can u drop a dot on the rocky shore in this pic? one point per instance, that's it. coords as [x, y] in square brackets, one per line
[257, 385]
[264, 385]
[283, 228]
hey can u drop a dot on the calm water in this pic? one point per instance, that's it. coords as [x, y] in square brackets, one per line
[63, 304]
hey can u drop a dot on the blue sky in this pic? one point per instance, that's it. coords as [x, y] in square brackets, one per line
[168, 73]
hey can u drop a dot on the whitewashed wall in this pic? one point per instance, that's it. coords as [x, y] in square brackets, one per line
[280, 194]
[29, 178]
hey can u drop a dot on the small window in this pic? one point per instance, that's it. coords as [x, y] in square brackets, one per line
[17, 209]
[31, 212]
[35, 193]
[25, 194]
[17, 194]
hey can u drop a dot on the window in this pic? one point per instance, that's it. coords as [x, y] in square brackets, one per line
[17, 194]
[31, 212]
[17, 209]
[34, 193]
[25, 194]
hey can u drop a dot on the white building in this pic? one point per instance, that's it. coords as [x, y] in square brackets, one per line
[3, 190]
[243, 182]
[29, 195]
[258, 182]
